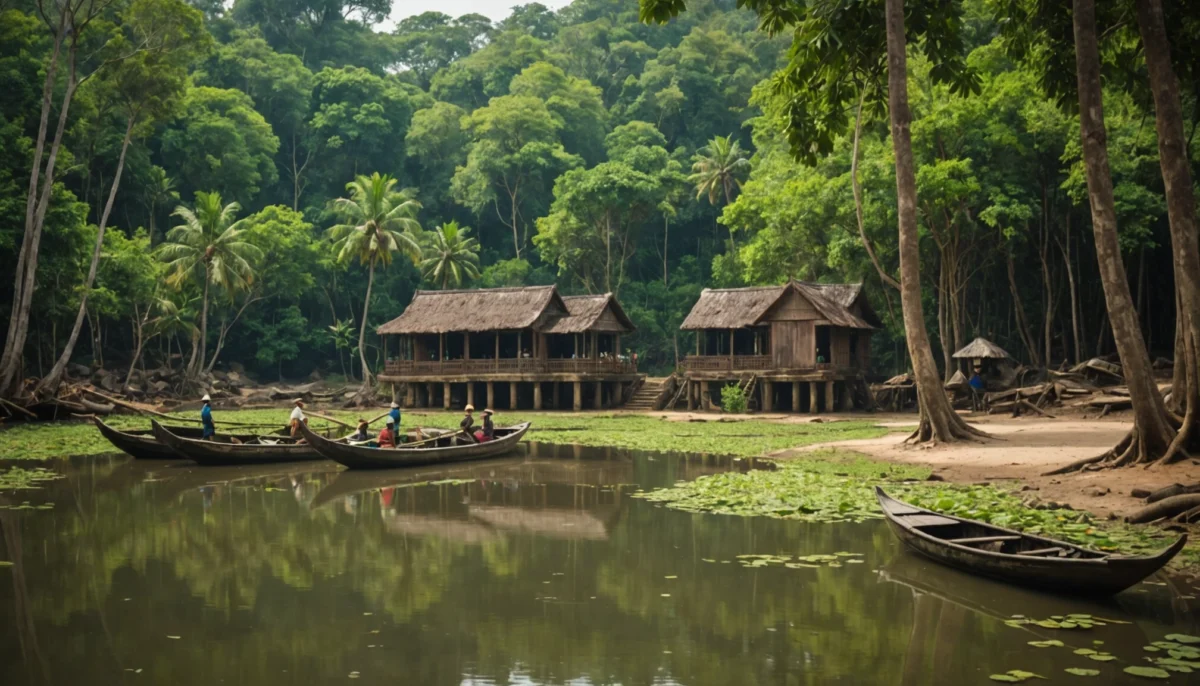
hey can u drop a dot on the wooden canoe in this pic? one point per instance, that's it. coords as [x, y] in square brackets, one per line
[222, 451]
[1033, 561]
[447, 448]
[141, 443]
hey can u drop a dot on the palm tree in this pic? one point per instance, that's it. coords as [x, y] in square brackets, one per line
[208, 247]
[717, 170]
[379, 221]
[159, 191]
[451, 256]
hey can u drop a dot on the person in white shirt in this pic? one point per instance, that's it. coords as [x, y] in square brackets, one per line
[297, 417]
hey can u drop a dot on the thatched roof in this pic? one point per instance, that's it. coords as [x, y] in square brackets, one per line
[735, 308]
[587, 313]
[491, 309]
[982, 348]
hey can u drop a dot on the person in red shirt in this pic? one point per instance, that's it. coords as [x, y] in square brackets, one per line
[387, 437]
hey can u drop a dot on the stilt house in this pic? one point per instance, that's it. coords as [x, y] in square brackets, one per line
[450, 348]
[802, 347]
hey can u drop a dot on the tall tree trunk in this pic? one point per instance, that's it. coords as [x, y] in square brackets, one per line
[36, 204]
[50, 382]
[1181, 208]
[1047, 293]
[138, 342]
[1152, 431]
[1019, 312]
[938, 422]
[1065, 247]
[943, 299]
[200, 339]
[362, 330]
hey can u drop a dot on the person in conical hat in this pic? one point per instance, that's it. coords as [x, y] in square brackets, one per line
[297, 417]
[395, 415]
[206, 420]
[467, 425]
[488, 430]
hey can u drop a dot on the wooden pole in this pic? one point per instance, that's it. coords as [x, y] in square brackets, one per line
[466, 346]
[578, 404]
[441, 347]
[812, 397]
[446, 396]
[537, 395]
[512, 395]
[795, 396]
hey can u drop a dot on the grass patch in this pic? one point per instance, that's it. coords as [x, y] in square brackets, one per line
[747, 438]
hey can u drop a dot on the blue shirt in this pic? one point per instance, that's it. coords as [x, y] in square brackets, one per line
[976, 382]
[207, 422]
[395, 415]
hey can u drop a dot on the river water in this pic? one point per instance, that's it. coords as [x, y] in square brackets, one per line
[537, 569]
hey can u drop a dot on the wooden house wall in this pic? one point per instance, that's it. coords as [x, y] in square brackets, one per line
[793, 344]
[839, 346]
[864, 350]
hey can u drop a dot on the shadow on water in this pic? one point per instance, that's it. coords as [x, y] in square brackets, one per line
[537, 568]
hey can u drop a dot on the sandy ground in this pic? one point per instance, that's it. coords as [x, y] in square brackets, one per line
[1024, 449]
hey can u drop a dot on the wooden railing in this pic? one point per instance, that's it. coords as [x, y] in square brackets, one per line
[525, 365]
[741, 363]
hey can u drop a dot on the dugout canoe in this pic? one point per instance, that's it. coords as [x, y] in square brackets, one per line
[447, 448]
[142, 444]
[1011, 556]
[222, 451]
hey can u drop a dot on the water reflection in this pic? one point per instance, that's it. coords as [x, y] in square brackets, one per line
[533, 569]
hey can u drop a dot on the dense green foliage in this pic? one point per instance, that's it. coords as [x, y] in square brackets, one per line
[583, 148]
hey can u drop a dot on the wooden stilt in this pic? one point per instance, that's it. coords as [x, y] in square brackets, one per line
[829, 405]
[795, 396]
[445, 396]
[578, 404]
[537, 396]
[491, 394]
[812, 397]
[512, 395]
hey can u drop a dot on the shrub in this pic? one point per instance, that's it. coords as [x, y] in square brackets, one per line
[732, 400]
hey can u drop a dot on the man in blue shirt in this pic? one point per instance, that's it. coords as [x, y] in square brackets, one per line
[206, 419]
[395, 414]
[978, 387]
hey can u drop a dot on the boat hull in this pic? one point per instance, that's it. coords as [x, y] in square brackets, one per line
[216, 453]
[359, 457]
[1094, 573]
[142, 444]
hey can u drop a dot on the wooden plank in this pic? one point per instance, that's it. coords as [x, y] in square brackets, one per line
[1043, 551]
[984, 539]
[924, 520]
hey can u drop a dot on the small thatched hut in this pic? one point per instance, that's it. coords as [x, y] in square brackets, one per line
[992, 361]
[766, 339]
[531, 338]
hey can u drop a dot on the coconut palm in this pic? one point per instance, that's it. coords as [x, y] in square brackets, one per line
[451, 256]
[379, 221]
[718, 168]
[158, 192]
[207, 247]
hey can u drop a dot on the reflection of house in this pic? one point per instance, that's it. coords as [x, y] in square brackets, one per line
[455, 346]
[799, 346]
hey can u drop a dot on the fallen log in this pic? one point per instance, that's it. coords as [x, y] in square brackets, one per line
[1165, 508]
[1030, 406]
[1170, 491]
[17, 408]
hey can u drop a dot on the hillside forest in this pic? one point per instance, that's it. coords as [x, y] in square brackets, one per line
[187, 184]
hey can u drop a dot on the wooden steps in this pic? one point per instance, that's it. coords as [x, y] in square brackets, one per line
[644, 398]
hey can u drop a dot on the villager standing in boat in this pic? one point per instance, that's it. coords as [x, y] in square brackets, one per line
[395, 414]
[488, 431]
[468, 422]
[206, 420]
[297, 417]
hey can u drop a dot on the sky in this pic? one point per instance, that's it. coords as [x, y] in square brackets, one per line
[493, 9]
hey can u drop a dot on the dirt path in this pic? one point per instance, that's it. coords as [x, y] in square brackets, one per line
[1025, 449]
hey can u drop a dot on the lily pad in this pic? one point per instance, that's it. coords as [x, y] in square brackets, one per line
[1085, 651]
[1182, 638]
[1148, 672]
[1052, 643]
[1081, 671]
[1102, 657]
